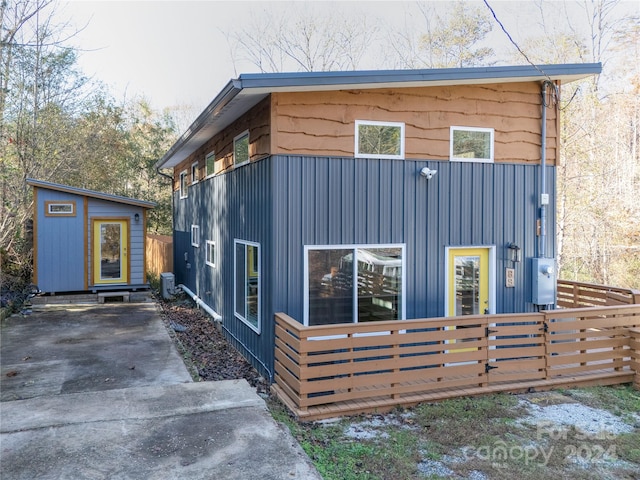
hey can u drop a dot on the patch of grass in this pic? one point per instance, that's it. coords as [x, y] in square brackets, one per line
[620, 400]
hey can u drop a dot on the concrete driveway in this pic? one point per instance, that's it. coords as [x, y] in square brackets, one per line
[99, 391]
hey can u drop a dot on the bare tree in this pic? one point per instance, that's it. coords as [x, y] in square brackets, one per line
[304, 38]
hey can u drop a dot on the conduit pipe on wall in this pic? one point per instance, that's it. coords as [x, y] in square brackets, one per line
[542, 250]
[218, 318]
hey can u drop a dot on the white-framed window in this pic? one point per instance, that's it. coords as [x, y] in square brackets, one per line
[379, 139]
[210, 253]
[246, 291]
[241, 149]
[195, 235]
[194, 172]
[210, 163]
[353, 283]
[60, 209]
[183, 184]
[471, 144]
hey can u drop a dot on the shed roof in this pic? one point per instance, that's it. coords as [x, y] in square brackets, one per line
[89, 193]
[241, 94]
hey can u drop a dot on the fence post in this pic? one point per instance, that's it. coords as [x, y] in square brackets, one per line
[634, 344]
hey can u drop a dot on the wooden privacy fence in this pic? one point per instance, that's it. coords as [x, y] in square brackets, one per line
[159, 253]
[332, 370]
[577, 294]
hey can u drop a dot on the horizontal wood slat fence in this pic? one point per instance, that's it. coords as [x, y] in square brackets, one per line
[159, 253]
[577, 294]
[332, 370]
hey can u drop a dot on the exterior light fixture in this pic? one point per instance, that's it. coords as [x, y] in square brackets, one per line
[515, 253]
[428, 173]
[136, 217]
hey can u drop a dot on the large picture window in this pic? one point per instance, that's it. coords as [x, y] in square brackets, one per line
[246, 292]
[471, 144]
[241, 149]
[379, 139]
[351, 283]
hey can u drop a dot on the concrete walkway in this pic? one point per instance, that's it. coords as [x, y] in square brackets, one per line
[97, 392]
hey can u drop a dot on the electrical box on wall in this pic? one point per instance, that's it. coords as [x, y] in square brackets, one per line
[544, 281]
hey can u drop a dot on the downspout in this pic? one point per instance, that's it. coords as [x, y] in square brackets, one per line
[544, 197]
[218, 318]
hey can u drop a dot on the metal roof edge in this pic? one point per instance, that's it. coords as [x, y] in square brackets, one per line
[89, 193]
[355, 77]
[230, 90]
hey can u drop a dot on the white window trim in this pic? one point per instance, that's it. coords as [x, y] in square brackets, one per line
[492, 275]
[235, 139]
[246, 243]
[195, 235]
[183, 184]
[194, 173]
[206, 161]
[71, 213]
[386, 124]
[471, 129]
[354, 247]
[209, 261]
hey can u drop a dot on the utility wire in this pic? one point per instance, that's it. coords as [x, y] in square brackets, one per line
[555, 96]
[514, 42]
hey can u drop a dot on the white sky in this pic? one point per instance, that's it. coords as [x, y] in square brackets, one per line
[175, 52]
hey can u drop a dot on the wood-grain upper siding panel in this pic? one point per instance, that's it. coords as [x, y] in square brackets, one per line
[323, 123]
[257, 121]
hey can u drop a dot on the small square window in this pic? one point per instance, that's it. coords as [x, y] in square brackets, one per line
[379, 139]
[471, 144]
[183, 184]
[194, 173]
[195, 235]
[210, 163]
[210, 253]
[241, 149]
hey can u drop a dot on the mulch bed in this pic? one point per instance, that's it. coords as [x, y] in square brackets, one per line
[209, 356]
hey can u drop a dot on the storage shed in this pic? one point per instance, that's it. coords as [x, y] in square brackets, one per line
[87, 240]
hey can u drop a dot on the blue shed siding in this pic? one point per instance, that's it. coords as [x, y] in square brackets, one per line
[60, 245]
[103, 209]
[287, 202]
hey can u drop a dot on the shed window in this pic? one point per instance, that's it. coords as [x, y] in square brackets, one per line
[60, 209]
[379, 139]
[183, 184]
[471, 144]
[210, 161]
[246, 292]
[210, 254]
[194, 173]
[241, 149]
[195, 235]
[351, 283]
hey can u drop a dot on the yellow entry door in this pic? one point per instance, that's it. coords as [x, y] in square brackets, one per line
[468, 288]
[110, 247]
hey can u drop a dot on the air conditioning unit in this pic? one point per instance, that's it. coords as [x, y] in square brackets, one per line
[167, 285]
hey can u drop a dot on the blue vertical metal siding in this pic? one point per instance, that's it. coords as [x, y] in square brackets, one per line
[234, 205]
[287, 202]
[387, 201]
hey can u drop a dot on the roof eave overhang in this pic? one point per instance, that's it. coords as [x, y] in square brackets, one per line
[89, 193]
[248, 90]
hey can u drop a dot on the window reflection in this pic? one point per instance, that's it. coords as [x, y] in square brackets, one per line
[378, 291]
